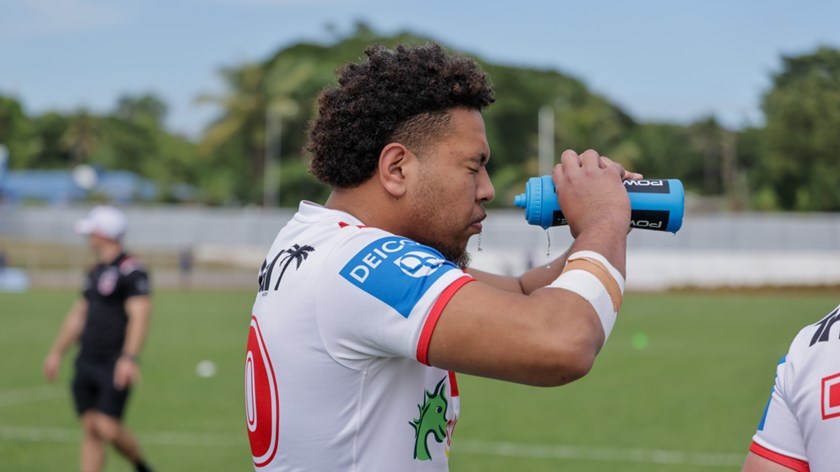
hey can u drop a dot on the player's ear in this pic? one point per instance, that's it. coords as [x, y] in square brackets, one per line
[395, 161]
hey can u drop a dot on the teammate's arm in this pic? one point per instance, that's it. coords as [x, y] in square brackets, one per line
[70, 331]
[552, 335]
[756, 463]
[139, 310]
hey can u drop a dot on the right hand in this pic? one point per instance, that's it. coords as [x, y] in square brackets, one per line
[51, 366]
[591, 193]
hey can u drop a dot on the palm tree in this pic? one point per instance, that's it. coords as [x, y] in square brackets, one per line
[295, 253]
[258, 95]
[283, 77]
[243, 109]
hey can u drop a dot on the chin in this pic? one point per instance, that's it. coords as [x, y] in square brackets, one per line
[461, 259]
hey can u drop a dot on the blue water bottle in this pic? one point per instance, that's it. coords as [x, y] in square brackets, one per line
[655, 204]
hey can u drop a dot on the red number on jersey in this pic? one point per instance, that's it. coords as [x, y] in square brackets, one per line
[262, 405]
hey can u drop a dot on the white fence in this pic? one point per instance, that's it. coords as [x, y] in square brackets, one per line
[735, 249]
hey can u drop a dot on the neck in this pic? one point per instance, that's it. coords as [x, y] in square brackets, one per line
[109, 252]
[370, 205]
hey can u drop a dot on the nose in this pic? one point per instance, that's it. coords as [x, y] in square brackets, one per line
[484, 191]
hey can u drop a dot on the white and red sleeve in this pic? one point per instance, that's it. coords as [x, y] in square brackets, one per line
[381, 296]
[779, 437]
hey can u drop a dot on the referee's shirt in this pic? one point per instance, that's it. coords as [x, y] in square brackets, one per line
[106, 288]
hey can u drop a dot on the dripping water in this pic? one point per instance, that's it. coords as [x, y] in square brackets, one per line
[548, 249]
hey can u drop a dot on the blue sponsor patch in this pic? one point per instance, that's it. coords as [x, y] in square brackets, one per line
[397, 271]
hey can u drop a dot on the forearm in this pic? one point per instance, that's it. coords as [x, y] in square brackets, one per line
[526, 283]
[542, 275]
[139, 314]
[71, 328]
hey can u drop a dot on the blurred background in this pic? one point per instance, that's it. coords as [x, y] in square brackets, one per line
[191, 115]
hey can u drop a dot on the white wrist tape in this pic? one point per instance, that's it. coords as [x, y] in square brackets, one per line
[591, 276]
[603, 260]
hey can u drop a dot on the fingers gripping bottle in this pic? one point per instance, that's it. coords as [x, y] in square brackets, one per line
[655, 204]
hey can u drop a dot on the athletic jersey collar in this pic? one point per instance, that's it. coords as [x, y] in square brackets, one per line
[309, 212]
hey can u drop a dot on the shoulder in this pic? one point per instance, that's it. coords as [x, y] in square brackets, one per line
[384, 262]
[812, 338]
[373, 246]
[821, 330]
[131, 265]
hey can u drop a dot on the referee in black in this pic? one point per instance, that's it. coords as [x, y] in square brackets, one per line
[110, 321]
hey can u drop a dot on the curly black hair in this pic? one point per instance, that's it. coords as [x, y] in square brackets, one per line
[395, 95]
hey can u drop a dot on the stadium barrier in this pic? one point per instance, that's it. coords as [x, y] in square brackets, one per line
[711, 250]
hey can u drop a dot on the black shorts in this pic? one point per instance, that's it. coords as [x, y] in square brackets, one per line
[93, 389]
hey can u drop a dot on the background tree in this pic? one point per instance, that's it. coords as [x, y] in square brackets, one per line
[707, 136]
[81, 137]
[236, 140]
[49, 149]
[799, 168]
[666, 150]
[789, 163]
[16, 132]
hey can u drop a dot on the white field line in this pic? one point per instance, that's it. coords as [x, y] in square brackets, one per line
[164, 438]
[601, 454]
[508, 449]
[26, 395]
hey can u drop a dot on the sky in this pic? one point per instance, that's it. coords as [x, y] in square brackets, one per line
[660, 60]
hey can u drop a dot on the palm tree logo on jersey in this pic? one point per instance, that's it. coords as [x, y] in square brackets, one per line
[432, 421]
[296, 253]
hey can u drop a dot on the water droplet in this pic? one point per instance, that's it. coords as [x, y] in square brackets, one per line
[479, 243]
[548, 246]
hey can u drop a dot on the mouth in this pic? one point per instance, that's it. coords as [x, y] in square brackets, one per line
[476, 224]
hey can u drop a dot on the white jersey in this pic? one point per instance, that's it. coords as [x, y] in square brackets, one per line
[800, 428]
[336, 373]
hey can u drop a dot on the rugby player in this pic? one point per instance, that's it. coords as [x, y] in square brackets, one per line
[800, 428]
[367, 306]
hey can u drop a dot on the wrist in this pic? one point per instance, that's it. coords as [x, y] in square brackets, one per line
[133, 358]
[615, 227]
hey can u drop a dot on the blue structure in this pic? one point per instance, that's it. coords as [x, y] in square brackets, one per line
[62, 186]
[58, 186]
[13, 280]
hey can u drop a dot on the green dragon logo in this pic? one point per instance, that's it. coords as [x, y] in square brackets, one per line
[432, 421]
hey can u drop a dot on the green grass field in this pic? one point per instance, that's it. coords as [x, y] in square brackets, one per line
[680, 386]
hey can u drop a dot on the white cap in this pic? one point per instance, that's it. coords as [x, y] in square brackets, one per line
[103, 220]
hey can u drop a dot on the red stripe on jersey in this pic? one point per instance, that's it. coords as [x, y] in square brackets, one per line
[453, 384]
[343, 225]
[432, 319]
[789, 462]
